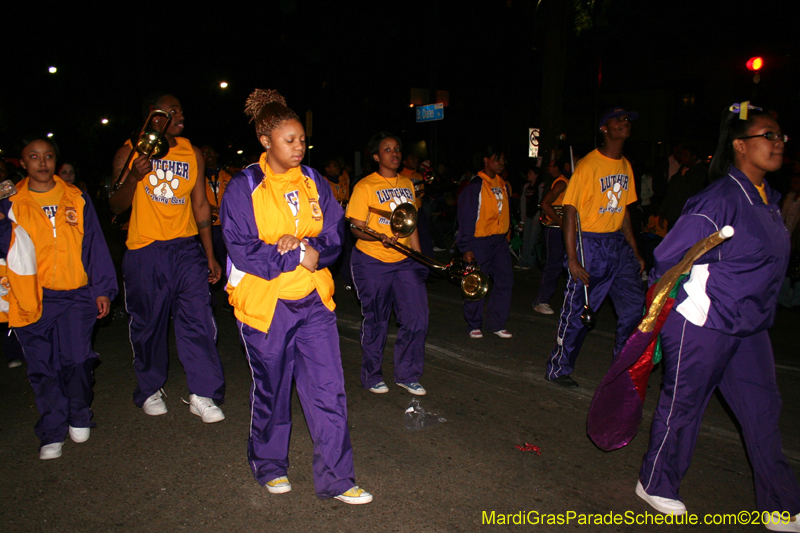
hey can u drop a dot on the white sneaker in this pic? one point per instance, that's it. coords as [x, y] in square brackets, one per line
[355, 496]
[154, 405]
[205, 408]
[79, 435]
[475, 334]
[662, 505]
[503, 333]
[51, 451]
[778, 522]
[414, 388]
[379, 388]
[543, 308]
[279, 485]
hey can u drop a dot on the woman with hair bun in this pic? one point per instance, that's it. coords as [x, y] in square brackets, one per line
[716, 334]
[283, 228]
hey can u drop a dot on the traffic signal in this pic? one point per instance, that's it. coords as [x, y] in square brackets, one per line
[755, 63]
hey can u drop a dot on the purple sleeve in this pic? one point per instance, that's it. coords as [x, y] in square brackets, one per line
[329, 242]
[689, 229]
[95, 255]
[247, 252]
[468, 214]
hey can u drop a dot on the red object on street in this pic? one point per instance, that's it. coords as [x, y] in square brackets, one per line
[528, 447]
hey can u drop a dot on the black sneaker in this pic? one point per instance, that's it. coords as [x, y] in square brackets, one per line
[564, 381]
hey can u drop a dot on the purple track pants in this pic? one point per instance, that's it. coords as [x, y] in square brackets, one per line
[614, 272]
[494, 258]
[58, 351]
[382, 287]
[171, 278]
[696, 361]
[302, 345]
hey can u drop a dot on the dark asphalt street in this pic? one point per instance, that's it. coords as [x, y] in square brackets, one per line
[174, 473]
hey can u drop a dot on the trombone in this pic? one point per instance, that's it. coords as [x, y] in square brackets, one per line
[150, 143]
[403, 221]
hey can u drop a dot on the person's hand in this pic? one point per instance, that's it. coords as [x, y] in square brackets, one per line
[103, 306]
[469, 257]
[141, 167]
[311, 259]
[287, 243]
[577, 271]
[214, 271]
[641, 263]
[388, 241]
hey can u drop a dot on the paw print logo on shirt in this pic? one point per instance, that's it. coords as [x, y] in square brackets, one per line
[498, 194]
[399, 200]
[613, 198]
[164, 183]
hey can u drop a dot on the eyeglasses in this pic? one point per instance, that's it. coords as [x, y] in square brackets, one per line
[770, 136]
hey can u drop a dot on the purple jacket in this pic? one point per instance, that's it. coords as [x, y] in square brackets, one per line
[733, 288]
[240, 231]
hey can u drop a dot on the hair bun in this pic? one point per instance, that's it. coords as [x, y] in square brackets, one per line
[259, 99]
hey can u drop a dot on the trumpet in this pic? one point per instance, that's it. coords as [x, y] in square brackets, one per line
[150, 143]
[403, 221]
[547, 222]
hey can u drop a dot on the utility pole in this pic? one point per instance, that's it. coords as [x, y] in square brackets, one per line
[557, 28]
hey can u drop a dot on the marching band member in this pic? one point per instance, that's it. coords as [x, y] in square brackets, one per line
[553, 238]
[484, 222]
[216, 181]
[385, 278]
[598, 194]
[166, 271]
[283, 228]
[716, 335]
[61, 281]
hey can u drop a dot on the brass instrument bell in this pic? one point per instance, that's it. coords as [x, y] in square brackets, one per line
[150, 142]
[474, 283]
[402, 220]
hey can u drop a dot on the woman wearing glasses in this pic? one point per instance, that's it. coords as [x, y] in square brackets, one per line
[716, 335]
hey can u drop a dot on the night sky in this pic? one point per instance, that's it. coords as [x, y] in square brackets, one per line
[353, 64]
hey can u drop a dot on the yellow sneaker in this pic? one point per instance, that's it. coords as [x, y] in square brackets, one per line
[355, 496]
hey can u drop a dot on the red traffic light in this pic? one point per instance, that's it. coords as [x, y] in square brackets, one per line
[755, 63]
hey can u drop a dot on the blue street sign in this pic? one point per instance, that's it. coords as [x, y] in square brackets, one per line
[427, 113]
